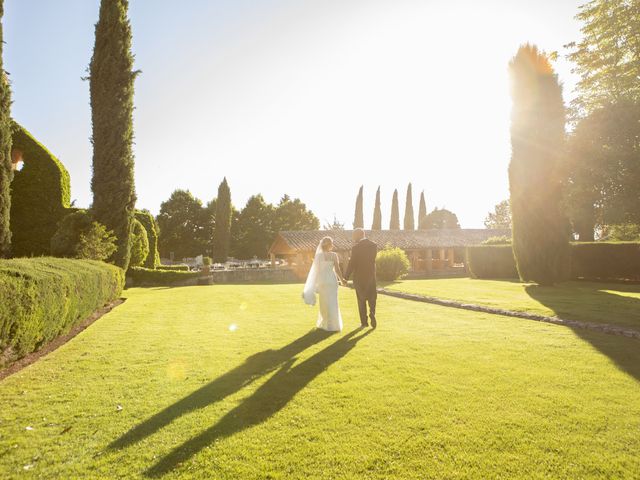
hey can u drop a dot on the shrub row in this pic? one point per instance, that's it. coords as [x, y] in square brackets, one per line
[604, 260]
[593, 261]
[44, 297]
[140, 276]
[491, 261]
[175, 268]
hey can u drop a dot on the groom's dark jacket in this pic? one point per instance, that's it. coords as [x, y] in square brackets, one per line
[362, 264]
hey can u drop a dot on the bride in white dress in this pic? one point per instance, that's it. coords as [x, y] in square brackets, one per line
[323, 279]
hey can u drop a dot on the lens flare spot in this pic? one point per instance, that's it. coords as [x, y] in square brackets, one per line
[177, 370]
[243, 306]
[233, 327]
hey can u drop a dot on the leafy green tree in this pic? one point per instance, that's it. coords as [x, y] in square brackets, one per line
[139, 244]
[180, 224]
[441, 219]
[394, 223]
[6, 167]
[602, 169]
[208, 223]
[294, 215]
[624, 232]
[540, 230]
[111, 78]
[96, 243]
[358, 217]
[500, 217]
[222, 227]
[255, 228]
[409, 221]
[377, 213]
[607, 58]
[422, 213]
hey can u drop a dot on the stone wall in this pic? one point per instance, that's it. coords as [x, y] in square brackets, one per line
[254, 275]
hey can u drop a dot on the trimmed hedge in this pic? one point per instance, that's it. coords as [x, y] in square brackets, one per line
[40, 195]
[147, 277]
[491, 261]
[593, 261]
[174, 268]
[606, 260]
[44, 297]
[149, 224]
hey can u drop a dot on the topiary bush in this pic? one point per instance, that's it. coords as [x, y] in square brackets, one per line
[139, 244]
[140, 276]
[44, 297]
[151, 227]
[605, 261]
[79, 236]
[491, 261]
[40, 195]
[391, 264]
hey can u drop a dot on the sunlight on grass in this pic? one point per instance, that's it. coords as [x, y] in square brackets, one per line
[162, 387]
[617, 304]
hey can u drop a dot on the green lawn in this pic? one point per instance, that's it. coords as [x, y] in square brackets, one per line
[612, 303]
[229, 382]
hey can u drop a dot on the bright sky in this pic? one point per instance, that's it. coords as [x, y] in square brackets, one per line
[307, 97]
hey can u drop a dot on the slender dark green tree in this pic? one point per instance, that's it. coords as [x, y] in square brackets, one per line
[377, 213]
[111, 79]
[6, 167]
[540, 230]
[409, 221]
[422, 213]
[358, 217]
[222, 227]
[394, 223]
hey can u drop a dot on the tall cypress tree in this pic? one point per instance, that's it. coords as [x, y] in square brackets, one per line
[222, 227]
[358, 217]
[409, 222]
[422, 213]
[394, 224]
[377, 213]
[6, 167]
[540, 231]
[111, 78]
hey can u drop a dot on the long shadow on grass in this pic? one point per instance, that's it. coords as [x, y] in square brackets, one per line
[267, 400]
[623, 351]
[231, 382]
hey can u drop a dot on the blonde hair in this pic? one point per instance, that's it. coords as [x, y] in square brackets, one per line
[325, 243]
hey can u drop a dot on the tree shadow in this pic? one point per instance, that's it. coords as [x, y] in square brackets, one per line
[227, 384]
[265, 402]
[609, 307]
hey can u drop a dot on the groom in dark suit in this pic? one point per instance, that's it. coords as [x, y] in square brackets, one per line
[363, 266]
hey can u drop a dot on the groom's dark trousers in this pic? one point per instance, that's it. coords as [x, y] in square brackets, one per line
[362, 265]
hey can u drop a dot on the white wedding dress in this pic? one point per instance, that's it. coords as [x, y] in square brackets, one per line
[322, 280]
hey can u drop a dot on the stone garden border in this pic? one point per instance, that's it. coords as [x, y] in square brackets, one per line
[598, 327]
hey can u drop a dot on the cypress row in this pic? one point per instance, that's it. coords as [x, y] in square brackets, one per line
[422, 213]
[409, 222]
[358, 217]
[377, 213]
[111, 79]
[540, 230]
[394, 224]
[222, 226]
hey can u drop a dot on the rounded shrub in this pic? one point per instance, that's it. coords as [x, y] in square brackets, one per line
[139, 244]
[392, 263]
[79, 236]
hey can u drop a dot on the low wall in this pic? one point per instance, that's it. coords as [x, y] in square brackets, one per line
[257, 275]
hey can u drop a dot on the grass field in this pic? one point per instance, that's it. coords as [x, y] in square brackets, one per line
[230, 382]
[614, 303]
